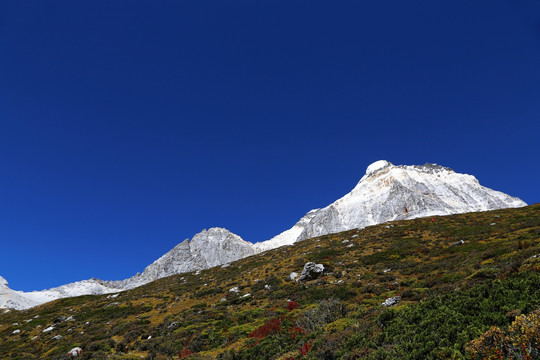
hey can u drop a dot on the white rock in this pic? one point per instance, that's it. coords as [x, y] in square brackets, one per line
[391, 301]
[50, 328]
[293, 275]
[76, 351]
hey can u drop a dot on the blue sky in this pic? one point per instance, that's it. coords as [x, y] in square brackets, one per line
[128, 126]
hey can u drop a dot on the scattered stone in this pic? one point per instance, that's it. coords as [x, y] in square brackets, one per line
[50, 328]
[246, 295]
[57, 337]
[311, 271]
[60, 319]
[235, 290]
[350, 245]
[387, 270]
[345, 242]
[149, 337]
[492, 224]
[457, 243]
[391, 301]
[173, 325]
[114, 303]
[76, 351]
[15, 324]
[112, 296]
[222, 299]
[16, 331]
[293, 275]
[268, 287]
[225, 265]
[70, 318]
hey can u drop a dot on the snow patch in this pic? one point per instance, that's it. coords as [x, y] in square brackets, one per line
[376, 166]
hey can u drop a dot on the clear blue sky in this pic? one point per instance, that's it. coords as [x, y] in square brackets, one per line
[128, 126]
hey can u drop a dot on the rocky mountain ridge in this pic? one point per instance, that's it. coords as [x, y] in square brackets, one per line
[385, 193]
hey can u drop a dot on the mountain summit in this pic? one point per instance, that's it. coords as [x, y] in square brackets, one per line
[395, 192]
[386, 192]
[209, 248]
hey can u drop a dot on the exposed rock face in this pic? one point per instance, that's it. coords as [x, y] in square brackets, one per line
[207, 249]
[311, 271]
[388, 192]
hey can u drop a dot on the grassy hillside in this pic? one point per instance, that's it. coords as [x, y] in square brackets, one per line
[450, 296]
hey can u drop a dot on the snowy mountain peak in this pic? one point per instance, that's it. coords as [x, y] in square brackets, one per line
[3, 282]
[395, 192]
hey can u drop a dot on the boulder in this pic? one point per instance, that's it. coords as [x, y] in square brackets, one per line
[75, 352]
[391, 301]
[311, 271]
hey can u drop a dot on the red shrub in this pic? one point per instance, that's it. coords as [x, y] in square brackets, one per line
[291, 305]
[304, 349]
[270, 327]
[183, 353]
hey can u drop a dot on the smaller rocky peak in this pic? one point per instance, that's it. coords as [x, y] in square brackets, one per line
[3, 282]
[377, 166]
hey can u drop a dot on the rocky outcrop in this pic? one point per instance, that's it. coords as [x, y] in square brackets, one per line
[311, 271]
[391, 301]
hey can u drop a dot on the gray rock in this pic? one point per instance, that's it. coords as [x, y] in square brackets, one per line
[391, 301]
[311, 271]
[457, 243]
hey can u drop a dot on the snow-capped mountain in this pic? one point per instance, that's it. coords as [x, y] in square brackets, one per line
[386, 192]
[20, 300]
[206, 249]
[389, 192]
